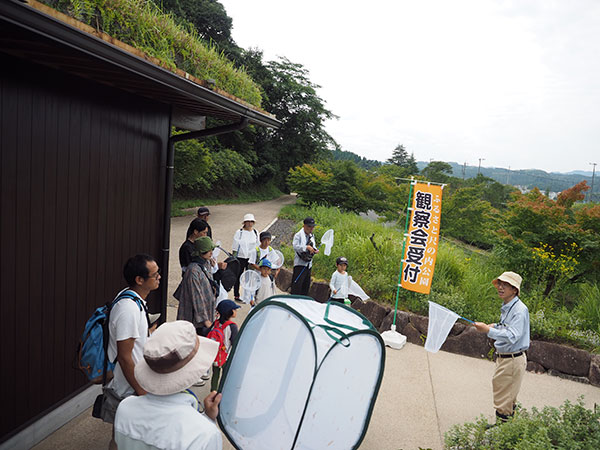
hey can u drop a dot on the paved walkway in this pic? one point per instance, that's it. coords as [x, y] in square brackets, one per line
[422, 394]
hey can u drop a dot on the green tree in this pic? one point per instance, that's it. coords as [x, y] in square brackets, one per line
[437, 171]
[345, 185]
[311, 184]
[194, 168]
[338, 154]
[401, 158]
[292, 97]
[287, 92]
[210, 20]
[466, 216]
[231, 170]
[548, 241]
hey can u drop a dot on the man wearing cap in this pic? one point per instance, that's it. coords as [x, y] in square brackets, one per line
[511, 337]
[304, 248]
[203, 214]
[169, 416]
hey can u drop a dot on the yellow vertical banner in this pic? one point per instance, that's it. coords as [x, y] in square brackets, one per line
[422, 238]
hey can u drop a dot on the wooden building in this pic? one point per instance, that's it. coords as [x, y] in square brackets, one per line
[85, 182]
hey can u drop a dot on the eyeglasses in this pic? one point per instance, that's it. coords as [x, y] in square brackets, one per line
[155, 275]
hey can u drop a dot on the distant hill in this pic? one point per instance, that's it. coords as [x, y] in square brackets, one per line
[529, 178]
[363, 162]
[587, 173]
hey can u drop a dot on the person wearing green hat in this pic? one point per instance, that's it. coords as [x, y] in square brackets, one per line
[197, 292]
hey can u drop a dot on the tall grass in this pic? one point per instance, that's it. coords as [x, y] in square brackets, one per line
[141, 24]
[461, 282]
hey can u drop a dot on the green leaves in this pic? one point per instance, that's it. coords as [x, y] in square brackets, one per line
[571, 426]
[401, 158]
[344, 185]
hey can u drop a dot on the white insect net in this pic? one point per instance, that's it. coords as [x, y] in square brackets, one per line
[441, 321]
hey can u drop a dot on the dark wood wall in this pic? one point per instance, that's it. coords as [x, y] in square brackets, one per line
[81, 189]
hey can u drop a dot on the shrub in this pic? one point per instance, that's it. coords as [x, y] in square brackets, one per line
[588, 309]
[194, 167]
[231, 169]
[571, 426]
[344, 185]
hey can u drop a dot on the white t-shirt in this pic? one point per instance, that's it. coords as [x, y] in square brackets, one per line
[165, 422]
[245, 242]
[339, 282]
[263, 252]
[266, 289]
[126, 321]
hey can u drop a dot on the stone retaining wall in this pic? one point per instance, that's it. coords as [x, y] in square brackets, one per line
[556, 359]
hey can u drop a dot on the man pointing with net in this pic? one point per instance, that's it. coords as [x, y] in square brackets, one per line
[511, 335]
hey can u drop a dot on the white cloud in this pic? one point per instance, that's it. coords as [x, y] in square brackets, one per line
[516, 83]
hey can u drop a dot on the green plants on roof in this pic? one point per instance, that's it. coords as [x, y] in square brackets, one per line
[141, 24]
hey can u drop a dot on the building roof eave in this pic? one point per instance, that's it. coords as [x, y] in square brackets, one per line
[29, 33]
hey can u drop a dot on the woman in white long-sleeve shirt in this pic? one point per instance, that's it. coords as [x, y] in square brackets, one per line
[245, 240]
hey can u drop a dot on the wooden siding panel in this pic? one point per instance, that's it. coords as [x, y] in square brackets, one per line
[84, 235]
[48, 277]
[80, 191]
[60, 252]
[24, 306]
[8, 245]
[36, 384]
[72, 226]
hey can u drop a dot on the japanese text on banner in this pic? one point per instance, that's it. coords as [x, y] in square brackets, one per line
[422, 240]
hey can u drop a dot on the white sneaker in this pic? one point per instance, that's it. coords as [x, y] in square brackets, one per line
[200, 383]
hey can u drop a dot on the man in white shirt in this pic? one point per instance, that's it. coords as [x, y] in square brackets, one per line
[128, 331]
[169, 416]
[304, 248]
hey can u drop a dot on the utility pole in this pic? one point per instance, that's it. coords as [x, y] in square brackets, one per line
[479, 168]
[464, 169]
[508, 175]
[593, 175]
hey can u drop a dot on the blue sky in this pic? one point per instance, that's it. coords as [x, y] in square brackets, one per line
[516, 83]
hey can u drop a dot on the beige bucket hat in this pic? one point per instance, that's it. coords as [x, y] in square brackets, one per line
[249, 218]
[174, 358]
[512, 278]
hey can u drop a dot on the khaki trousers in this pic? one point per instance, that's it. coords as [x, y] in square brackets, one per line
[506, 382]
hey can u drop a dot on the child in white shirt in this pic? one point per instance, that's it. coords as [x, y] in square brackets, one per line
[267, 285]
[340, 282]
[260, 251]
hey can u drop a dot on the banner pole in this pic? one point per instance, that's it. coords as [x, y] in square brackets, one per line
[408, 214]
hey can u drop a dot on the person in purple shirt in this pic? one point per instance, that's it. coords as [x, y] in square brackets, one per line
[511, 335]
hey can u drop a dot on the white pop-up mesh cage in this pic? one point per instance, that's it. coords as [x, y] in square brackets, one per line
[301, 375]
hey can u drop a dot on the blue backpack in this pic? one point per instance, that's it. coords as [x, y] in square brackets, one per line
[92, 354]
